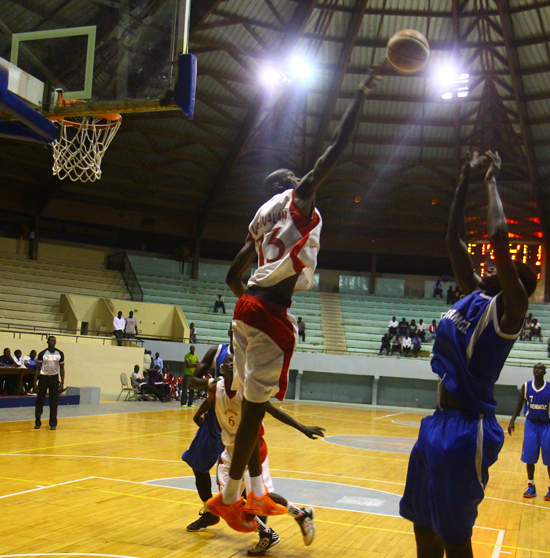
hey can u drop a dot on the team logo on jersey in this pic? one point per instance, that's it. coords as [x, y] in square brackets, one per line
[458, 319]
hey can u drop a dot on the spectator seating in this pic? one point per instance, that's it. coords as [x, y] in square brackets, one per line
[30, 290]
[197, 301]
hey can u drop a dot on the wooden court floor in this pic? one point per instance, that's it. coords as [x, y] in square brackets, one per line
[82, 491]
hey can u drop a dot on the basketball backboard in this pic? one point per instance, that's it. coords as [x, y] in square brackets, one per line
[117, 56]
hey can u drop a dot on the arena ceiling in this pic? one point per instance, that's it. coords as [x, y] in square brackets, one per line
[392, 188]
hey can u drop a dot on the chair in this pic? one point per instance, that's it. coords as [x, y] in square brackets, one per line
[131, 393]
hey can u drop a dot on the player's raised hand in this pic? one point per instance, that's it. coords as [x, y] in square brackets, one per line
[313, 431]
[494, 168]
[510, 428]
[474, 160]
[372, 79]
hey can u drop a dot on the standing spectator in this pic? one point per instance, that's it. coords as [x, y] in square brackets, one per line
[158, 362]
[433, 331]
[191, 362]
[139, 383]
[147, 360]
[396, 344]
[50, 366]
[301, 330]
[535, 330]
[450, 295]
[422, 330]
[457, 293]
[130, 329]
[385, 346]
[118, 328]
[392, 327]
[416, 344]
[219, 303]
[403, 327]
[192, 333]
[438, 289]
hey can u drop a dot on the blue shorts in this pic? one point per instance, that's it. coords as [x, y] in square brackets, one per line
[448, 472]
[207, 446]
[536, 436]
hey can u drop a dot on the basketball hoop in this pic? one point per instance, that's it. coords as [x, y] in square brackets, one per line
[83, 140]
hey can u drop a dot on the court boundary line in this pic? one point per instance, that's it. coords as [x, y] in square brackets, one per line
[41, 487]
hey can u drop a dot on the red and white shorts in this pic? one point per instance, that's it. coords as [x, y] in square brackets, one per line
[264, 338]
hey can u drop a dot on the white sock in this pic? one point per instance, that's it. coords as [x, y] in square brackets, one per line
[294, 511]
[231, 491]
[257, 486]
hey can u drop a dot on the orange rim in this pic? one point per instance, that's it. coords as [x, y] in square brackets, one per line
[113, 120]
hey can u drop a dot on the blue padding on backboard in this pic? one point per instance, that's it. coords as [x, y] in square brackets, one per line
[187, 83]
[44, 130]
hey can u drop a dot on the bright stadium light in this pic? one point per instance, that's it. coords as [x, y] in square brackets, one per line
[452, 82]
[270, 76]
[300, 67]
[447, 95]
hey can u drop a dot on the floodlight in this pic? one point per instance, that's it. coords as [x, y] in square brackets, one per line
[270, 76]
[447, 95]
[462, 93]
[447, 75]
[300, 67]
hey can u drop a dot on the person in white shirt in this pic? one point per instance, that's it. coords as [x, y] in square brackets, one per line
[406, 345]
[421, 330]
[219, 303]
[18, 358]
[392, 327]
[139, 383]
[119, 324]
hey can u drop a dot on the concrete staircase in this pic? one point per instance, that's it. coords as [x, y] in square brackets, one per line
[334, 335]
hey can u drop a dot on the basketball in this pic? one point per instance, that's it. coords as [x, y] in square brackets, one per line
[408, 51]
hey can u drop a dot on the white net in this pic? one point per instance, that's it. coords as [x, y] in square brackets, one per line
[78, 152]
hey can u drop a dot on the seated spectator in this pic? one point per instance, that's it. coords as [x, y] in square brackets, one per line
[155, 381]
[433, 331]
[396, 344]
[457, 294]
[422, 330]
[139, 383]
[30, 363]
[385, 346]
[18, 358]
[438, 289]
[526, 331]
[30, 360]
[536, 330]
[413, 328]
[406, 344]
[403, 327]
[219, 303]
[416, 345]
[450, 295]
[192, 333]
[392, 327]
[6, 359]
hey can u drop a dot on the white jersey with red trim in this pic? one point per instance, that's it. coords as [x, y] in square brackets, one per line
[228, 408]
[287, 242]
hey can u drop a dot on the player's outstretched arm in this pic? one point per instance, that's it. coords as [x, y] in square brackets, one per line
[517, 410]
[207, 404]
[241, 263]
[197, 380]
[310, 431]
[463, 268]
[311, 182]
[514, 296]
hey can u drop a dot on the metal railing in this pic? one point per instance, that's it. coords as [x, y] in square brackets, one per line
[121, 262]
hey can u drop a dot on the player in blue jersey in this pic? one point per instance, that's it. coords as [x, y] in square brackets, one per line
[536, 396]
[449, 464]
[207, 446]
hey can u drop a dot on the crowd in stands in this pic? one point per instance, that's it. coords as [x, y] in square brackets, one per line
[404, 338]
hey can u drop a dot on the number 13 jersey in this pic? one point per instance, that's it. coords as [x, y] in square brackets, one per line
[287, 242]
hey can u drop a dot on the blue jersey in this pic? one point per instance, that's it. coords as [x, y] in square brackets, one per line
[223, 350]
[537, 402]
[470, 351]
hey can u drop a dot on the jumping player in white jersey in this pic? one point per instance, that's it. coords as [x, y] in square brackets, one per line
[227, 405]
[285, 235]
[449, 464]
[535, 394]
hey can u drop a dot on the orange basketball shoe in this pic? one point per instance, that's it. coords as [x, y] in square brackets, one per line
[263, 505]
[235, 514]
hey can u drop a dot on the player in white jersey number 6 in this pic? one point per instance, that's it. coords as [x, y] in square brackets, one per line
[285, 235]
